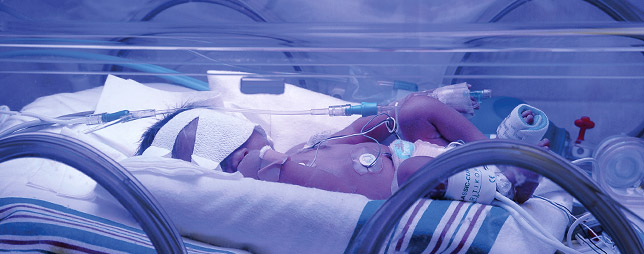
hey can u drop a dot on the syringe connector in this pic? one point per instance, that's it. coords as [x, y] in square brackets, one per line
[339, 110]
[145, 113]
[94, 119]
[479, 95]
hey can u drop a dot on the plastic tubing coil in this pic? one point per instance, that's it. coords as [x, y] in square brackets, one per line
[106, 172]
[569, 177]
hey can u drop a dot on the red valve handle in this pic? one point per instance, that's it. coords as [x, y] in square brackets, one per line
[583, 123]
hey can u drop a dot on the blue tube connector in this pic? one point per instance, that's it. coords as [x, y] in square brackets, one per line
[364, 109]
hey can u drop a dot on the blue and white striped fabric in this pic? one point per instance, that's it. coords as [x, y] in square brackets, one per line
[441, 226]
[30, 225]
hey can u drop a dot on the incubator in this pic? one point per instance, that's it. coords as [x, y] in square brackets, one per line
[86, 84]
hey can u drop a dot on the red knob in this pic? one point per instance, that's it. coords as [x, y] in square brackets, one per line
[583, 123]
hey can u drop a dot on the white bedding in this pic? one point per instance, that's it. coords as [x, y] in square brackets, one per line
[302, 221]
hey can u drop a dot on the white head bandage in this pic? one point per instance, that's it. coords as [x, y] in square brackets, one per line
[217, 136]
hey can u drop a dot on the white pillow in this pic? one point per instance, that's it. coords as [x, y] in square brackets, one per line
[120, 94]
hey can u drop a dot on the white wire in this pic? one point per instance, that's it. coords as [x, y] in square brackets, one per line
[554, 243]
[573, 226]
[584, 160]
[263, 111]
[361, 133]
[589, 244]
[577, 222]
[587, 247]
[525, 215]
[570, 229]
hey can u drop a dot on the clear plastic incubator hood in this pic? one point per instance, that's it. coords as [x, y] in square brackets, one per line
[286, 126]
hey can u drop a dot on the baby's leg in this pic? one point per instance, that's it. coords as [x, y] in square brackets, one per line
[525, 182]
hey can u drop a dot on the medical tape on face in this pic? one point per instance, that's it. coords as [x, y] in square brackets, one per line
[263, 151]
[217, 136]
[198, 160]
[472, 185]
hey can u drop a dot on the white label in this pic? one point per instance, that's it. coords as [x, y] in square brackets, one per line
[472, 185]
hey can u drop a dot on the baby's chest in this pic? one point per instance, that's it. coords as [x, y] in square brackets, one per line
[346, 159]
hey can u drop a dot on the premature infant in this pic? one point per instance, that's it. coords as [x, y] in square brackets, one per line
[343, 161]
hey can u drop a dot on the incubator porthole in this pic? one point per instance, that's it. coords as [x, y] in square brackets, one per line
[620, 167]
[623, 171]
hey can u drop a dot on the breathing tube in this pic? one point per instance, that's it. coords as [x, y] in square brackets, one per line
[457, 96]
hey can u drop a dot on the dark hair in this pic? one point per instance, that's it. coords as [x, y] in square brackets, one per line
[150, 133]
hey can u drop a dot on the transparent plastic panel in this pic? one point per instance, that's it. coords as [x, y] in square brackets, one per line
[342, 91]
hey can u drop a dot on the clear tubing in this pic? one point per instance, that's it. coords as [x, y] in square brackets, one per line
[106, 172]
[525, 214]
[506, 152]
[273, 112]
[42, 117]
[150, 68]
[24, 126]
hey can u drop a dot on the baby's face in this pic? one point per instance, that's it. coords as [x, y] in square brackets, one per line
[256, 141]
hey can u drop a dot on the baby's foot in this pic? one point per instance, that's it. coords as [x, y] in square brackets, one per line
[528, 116]
[525, 182]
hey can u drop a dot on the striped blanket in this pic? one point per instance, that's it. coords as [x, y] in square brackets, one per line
[267, 218]
[430, 226]
[440, 226]
[30, 225]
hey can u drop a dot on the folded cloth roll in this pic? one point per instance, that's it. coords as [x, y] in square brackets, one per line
[514, 126]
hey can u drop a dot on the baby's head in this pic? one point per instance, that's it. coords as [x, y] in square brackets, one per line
[204, 137]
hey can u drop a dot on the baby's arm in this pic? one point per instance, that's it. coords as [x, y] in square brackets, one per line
[428, 119]
[419, 117]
